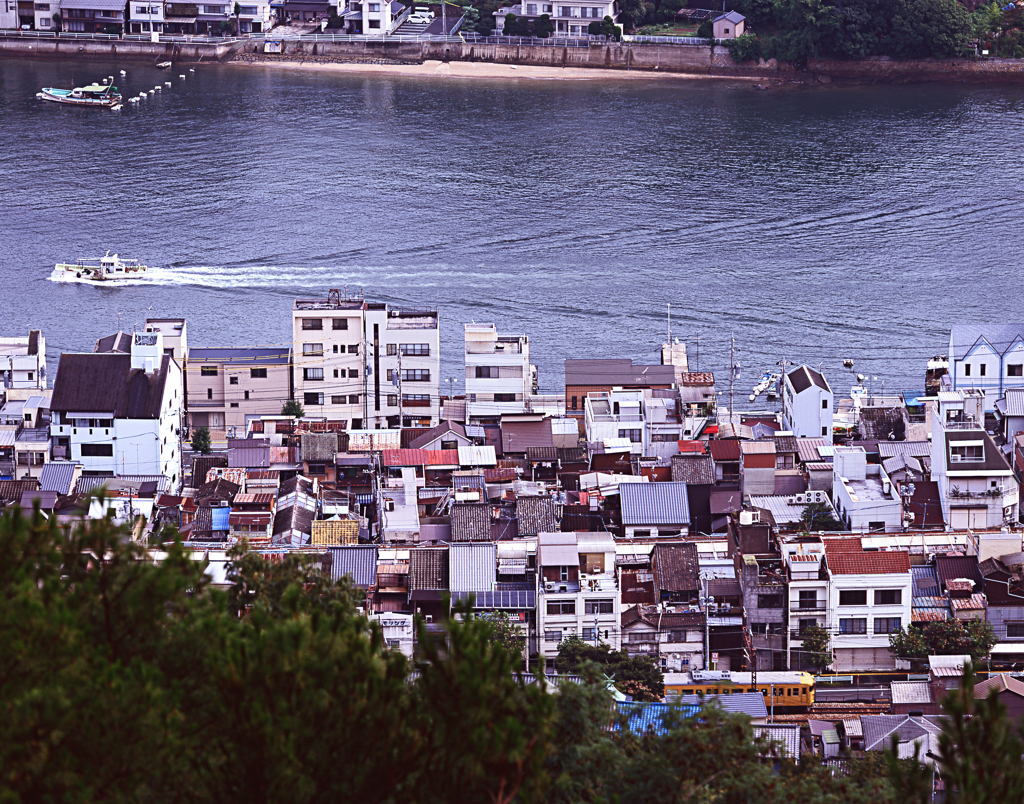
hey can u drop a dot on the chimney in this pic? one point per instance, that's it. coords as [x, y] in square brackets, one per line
[147, 351]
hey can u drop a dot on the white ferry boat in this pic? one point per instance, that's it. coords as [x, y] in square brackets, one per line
[107, 268]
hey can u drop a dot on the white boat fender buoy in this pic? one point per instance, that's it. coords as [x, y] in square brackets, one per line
[191, 69]
[167, 83]
[123, 72]
[182, 77]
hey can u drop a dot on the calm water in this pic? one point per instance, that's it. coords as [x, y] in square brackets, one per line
[811, 224]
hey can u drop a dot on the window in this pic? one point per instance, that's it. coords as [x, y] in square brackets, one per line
[339, 323]
[967, 453]
[392, 348]
[374, 7]
[97, 450]
[888, 597]
[588, 635]
[374, 23]
[557, 607]
[1015, 370]
[805, 624]
[853, 597]
[552, 636]
[353, 374]
[504, 397]
[531, 8]
[981, 369]
[636, 436]
[486, 372]
[853, 625]
[353, 399]
[416, 349]
[967, 369]
[598, 607]
[316, 349]
[336, 374]
[563, 573]
[313, 374]
[246, 396]
[209, 393]
[769, 601]
[877, 526]
[232, 380]
[393, 400]
[574, 404]
[824, 404]
[824, 431]
[207, 371]
[338, 400]
[353, 348]
[416, 400]
[808, 598]
[335, 348]
[232, 404]
[313, 398]
[313, 323]
[318, 468]
[887, 625]
[1015, 630]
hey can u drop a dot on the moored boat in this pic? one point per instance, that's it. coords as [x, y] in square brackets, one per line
[107, 268]
[91, 95]
[163, 65]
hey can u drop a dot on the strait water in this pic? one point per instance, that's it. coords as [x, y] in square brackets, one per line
[813, 224]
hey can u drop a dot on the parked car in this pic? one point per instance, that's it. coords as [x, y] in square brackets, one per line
[418, 17]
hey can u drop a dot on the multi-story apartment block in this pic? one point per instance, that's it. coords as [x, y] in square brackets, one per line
[976, 484]
[499, 377]
[366, 364]
[228, 387]
[579, 590]
[92, 16]
[806, 602]
[23, 361]
[988, 357]
[120, 414]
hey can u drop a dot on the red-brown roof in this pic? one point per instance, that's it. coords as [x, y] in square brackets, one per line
[421, 457]
[844, 543]
[725, 449]
[851, 562]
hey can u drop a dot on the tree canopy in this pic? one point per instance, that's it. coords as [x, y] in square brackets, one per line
[944, 638]
[638, 676]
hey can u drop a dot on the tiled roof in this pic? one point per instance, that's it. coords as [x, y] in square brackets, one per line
[949, 568]
[725, 449]
[676, 568]
[536, 515]
[845, 544]
[428, 569]
[848, 562]
[975, 602]
[334, 532]
[910, 692]
[11, 490]
[57, 476]
[471, 522]
[654, 504]
[473, 567]
[357, 561]
[785, 444]
[1000, 683]
[698, 470]
[696, 378]
[913, 449]
[318, 446]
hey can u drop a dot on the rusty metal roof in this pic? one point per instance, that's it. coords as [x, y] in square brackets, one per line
[421, 457]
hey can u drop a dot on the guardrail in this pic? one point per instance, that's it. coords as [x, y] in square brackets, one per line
[476, 39]
[102, 37]
[670, 40]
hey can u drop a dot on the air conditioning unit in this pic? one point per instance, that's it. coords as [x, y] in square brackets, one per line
[820, 497]
[800, 499]
[750, 517]
[389, 505]
[549, 586]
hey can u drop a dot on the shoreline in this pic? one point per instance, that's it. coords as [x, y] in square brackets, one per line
[435, 68]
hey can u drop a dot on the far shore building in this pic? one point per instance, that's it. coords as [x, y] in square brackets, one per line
[729, 26]
[227, 388]
[23, 362]
[569, 20]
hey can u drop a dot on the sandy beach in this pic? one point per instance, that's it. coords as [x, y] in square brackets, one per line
[488, 70]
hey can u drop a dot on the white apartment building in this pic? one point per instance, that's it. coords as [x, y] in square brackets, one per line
[499, 377]
[175, 337]
[23, 361]
[989, 357]
[617, 414]
[579, 590]
[865, 497]
[976, 484]
[120, 414]
[366, 364]
[146, 16]
[807, 404]
[868, 599]
[569, 20]
[807, 604]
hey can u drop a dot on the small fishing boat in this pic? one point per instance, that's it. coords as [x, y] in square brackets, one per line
[773, 386]
[762, 384]
[91, 95]
[107, 268]
[163, 65]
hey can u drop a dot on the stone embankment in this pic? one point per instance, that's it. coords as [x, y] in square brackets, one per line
[115, 49]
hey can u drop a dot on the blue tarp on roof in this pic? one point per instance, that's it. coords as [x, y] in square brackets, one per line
[219, 518]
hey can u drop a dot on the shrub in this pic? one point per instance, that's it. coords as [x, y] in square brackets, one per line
[745, 48]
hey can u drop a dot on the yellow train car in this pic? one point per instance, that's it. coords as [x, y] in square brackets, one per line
[782, 689]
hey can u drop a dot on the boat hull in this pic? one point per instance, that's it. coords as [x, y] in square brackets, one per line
[65, 96]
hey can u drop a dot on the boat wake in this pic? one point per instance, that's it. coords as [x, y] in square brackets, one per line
[274, 276]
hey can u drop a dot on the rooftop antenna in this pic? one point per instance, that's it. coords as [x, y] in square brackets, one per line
[670, 326]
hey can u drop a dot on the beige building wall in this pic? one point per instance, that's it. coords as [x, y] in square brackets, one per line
[227, 386]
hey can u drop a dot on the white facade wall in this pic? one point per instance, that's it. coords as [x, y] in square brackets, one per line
[490, 354]
[869, 650]
[864, 495]
[609, 415]
[398, 631]
[553, 628]
[570, 19]
[987, 370]
[18, 368]
[402, 342]
[146, 16]
[807, 414]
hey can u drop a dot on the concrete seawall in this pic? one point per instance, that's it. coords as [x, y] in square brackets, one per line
[114, 49]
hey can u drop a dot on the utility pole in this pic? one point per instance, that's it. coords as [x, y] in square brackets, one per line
[401, 414]
[732, 374]
[670, 327]
[451, 388]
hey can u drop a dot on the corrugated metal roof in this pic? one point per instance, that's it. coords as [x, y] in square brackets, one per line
[785, 738]
[807, 449]
[477, 456]
[639, 718]
[782, 510]
[46, 499]
[58, 476]
[334, 532]
[473, 567]
[557, 550]
[7, 437]
[654, 504]
[357, 561]
[910, 692]
[516, 599]
[743, 703]
[972, 603]
[757, 448]
[421, 457]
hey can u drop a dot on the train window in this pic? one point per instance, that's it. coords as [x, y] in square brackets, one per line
[794, 692]
[764, 692]
[715, 691]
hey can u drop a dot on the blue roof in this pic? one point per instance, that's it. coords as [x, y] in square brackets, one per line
[744, 703]
[57, 476]
[249, 356]
[219, 518]
[654, 504]
[642, 717]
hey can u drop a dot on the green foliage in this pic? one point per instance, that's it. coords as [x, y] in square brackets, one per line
[817, 516]
[706, 30]
[471, 23]
[606, 28]
[543, 27]
[201, 441]
[633, 13]
[334, 21]
[943, 638]
[745, 48]
[514, 26]
[638, 676]
[505, 632]
[817, 647]
[293, 408]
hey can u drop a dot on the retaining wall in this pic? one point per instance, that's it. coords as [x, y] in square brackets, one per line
[115, 49]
